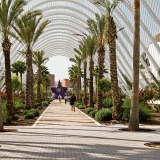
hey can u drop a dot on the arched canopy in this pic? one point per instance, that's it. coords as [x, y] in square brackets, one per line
[69, 17]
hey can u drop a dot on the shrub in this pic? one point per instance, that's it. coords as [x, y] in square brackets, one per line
[107, 103]
[104, 114]
[144, 113]
[157, 107]
[34, 111]
[50, 99]
[92, 113]
[126, 113]
[4, 110]
[39, 107]
[127, 102]
[29, 115]
[44, 103]
[25, 111]
[18, 105]
[80, 107]
[78, 103]
[94, 98]
[88, 110]
[8, 120]
[16, 116]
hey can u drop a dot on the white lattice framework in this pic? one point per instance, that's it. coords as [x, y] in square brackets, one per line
[69, 17]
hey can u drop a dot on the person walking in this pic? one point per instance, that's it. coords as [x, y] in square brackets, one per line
[65, 99]
[59, 98]
[72, 101]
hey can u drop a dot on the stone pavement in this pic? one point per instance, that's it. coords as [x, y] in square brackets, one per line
[64, 135]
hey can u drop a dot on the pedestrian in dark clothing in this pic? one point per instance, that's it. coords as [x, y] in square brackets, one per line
[65, 99]
[72, 101]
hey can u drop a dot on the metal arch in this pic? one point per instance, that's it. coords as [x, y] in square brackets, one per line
[53, 51]
[63, 53]
[59, 28]
[81, 13]
[62, 39]
[126, 37]
[74, 2]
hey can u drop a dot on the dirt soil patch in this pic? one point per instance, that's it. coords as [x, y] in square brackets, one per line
[153, 144]
[25, 122]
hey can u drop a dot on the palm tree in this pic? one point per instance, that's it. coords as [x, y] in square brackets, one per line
[91, 48]
[14, 68]
[39, 60]
[19, 67]
[9, 11]
[28, 29]
[45, 79]
[111, 36]
[81, 51]
[97, 29]
[77, 60]
[95, 73]
[1, 117]
[134, 111]
[73, 71]
[46, 84]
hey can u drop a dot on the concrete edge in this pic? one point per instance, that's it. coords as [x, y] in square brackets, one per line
[35, 123]
[97, 123]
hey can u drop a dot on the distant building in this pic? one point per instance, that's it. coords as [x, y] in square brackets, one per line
[66, 83]
[51, 78]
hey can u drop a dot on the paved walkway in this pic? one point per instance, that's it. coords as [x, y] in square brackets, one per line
[64, 135]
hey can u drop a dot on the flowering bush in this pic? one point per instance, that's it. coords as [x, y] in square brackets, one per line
[146, 95]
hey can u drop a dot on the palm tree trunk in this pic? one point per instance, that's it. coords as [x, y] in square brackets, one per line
[28, 82]
[78, 85]
[85, 86]
[21, 77]
[8, 83]
[91, 68]
[1, 118]
[39, 85]
[101, 56]
[114, 81]
[134, 112]
[32, 83]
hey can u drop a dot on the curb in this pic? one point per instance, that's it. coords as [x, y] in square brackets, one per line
[35, 123]
[97, 123]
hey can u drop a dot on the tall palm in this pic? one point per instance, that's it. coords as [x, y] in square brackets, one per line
[95, 73]
[45, 79]
[39, 60]
[46, 84]
[1, 117]
[78, 61]
[14, 68]
[91, 48]
[97, 28]
[134, 112]
[9, 11]
[73, 71]
[19, 67]
[28, 28]
[81, 51]
[111, 36]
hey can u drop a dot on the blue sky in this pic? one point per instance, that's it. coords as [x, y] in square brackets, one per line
[58, 65]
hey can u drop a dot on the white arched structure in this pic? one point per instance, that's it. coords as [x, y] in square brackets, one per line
[69, 17]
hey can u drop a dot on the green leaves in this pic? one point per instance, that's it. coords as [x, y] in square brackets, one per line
[104, 85]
